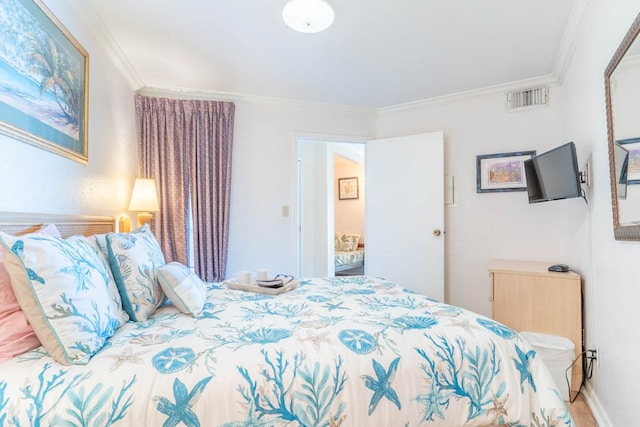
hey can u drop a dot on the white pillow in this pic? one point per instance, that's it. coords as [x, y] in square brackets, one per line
[114, 294]
[183, 287]
[62, 287]
[133, 258]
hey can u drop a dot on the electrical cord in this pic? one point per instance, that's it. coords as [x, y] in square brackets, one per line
[587, 371]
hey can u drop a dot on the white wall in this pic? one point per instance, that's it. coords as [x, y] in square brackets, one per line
[35, 180]
[481, 227]
[264, 175]
[612, 285]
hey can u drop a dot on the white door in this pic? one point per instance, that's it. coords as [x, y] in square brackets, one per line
[404, 212]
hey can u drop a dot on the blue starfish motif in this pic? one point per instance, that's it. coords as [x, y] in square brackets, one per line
[181, 410]
[434, 402]
[522, 365]
[336, 306]
[382, 386]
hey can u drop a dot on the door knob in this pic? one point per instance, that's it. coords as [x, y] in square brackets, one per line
[437, 232]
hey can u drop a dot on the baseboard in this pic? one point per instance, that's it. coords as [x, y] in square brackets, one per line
[594, 404]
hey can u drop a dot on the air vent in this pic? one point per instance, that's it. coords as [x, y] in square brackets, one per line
[528, 98]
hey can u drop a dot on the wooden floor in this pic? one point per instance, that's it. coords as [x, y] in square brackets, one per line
[581, 413]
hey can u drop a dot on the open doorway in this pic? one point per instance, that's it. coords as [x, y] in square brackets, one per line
[349, 195]
[404, 210]
[321, 210]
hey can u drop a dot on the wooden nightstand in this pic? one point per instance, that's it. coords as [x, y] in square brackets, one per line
[527, 297]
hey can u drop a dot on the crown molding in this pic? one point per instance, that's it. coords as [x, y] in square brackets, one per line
[489, 90]
[571, 37]
[87, 13]
[177, 93]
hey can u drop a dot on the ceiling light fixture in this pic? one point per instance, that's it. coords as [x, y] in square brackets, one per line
[308, 16]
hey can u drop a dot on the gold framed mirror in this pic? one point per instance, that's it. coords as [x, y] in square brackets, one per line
[622, 90]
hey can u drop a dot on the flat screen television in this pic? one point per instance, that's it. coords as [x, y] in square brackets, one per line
[553, 175]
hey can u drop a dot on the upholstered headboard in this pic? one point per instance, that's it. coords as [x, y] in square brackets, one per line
[68, 225]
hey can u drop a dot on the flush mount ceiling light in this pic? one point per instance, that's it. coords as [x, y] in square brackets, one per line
[308, 16]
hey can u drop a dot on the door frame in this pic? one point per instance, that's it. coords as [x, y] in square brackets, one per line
[298, 137]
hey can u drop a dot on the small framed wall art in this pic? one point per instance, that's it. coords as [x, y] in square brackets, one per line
[501, 172]
[347, 188]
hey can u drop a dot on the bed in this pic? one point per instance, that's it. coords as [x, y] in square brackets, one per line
[349, 253]
[330, 351]
[347, 260]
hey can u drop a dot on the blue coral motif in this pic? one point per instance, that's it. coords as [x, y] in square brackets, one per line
[381, 385]
[268, 335]
[18, 249]
[317, 298]
[358, 341]
[359, 291]
[522, 365]
[497, 328]
[173, 359]
[416, 322]
[181, 411]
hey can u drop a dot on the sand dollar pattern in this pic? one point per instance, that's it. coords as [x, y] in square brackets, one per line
[173, 359]
[357, 340]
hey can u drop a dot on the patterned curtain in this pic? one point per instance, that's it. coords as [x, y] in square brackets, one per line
[185, 145]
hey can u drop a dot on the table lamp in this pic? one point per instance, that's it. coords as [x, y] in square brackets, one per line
[144, 200]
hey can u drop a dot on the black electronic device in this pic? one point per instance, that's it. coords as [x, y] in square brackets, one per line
[559, 268]
[553, 175]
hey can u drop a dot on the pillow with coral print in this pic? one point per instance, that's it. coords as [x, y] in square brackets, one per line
[16, 334]
[133, 258]
[349, 242]
[62, 287]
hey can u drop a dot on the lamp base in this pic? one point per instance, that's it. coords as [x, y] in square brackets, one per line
[124, 225]
[144, 218]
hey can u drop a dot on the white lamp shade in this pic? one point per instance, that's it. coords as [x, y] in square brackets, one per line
[308, 16]
[144, 196]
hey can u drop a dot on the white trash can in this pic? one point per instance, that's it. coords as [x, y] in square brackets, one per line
[557, 353]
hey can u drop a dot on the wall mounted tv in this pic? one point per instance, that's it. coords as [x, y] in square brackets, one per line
[553, 175]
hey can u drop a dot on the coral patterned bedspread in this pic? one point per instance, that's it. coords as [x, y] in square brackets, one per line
[351, 351]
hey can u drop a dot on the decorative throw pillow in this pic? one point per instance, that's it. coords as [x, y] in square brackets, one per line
[183, 287]
[349, 242]
[114, 294]
[62, 287]
[133, 258]
[16, 334]
[337, 241]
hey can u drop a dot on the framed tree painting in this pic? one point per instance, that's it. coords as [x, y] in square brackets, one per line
[45, 74]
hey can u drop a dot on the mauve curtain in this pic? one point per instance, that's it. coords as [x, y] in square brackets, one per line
[186, 146]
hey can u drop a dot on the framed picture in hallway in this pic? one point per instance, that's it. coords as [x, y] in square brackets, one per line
[347, 188]
[501, 172]
[45, 71]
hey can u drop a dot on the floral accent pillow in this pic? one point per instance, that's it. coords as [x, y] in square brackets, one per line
[183, 287]
[133, 258]
[349, 242]
[62, 287]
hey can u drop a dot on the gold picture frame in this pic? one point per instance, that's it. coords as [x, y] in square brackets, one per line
[46, 94]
